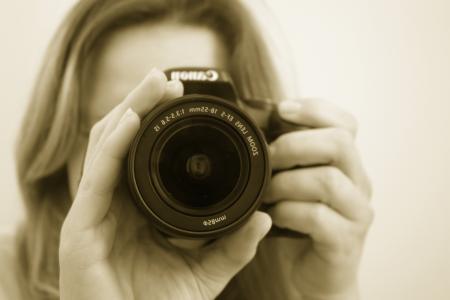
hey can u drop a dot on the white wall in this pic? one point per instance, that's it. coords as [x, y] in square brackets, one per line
[387, 61]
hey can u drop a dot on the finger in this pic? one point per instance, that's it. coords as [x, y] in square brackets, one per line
[325, 184]
[173, 90]
[94, 137]
[317, 220]
[145, 96]
[223, 259]
[141, 100]
[317, 113]
[326, 146]
[94, 194]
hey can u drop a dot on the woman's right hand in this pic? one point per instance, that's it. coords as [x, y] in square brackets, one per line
[100, 260]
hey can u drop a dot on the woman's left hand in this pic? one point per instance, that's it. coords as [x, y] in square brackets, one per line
[321, 190]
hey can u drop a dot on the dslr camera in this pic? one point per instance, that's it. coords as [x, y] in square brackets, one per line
[199, 164]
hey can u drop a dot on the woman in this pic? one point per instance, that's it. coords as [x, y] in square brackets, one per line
[83, 238]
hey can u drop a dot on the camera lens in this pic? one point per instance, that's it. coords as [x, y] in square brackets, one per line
[199, 165]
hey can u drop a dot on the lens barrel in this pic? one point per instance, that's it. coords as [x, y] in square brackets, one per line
[198, 166]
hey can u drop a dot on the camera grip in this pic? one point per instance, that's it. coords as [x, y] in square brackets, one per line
[276, 126]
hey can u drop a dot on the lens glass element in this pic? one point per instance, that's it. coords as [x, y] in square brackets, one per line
[199, 165]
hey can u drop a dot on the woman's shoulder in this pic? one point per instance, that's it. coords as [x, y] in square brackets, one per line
[9, 286]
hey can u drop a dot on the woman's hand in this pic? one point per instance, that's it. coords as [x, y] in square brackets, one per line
[108, 251]
[323, 191]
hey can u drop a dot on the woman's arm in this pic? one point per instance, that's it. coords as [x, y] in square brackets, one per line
[9, 279]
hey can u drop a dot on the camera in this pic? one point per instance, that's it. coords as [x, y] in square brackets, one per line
[199, 164]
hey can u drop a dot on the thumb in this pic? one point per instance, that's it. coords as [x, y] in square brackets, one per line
[228, 255]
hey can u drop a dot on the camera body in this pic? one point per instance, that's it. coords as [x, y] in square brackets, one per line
[199, 164]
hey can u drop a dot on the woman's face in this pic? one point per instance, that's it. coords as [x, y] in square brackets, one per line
[123, 59]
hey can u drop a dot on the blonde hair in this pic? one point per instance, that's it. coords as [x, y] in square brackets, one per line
[52, 122]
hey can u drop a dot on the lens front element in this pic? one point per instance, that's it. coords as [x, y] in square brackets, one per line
[198, 166]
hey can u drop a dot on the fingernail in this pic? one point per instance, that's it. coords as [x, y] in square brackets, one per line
[155, 73]
[289, 107]
[173, 84]
[127, 115]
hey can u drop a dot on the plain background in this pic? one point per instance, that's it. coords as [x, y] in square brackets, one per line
[386, 61]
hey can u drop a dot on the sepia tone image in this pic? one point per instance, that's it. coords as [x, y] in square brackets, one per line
[225, 149]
